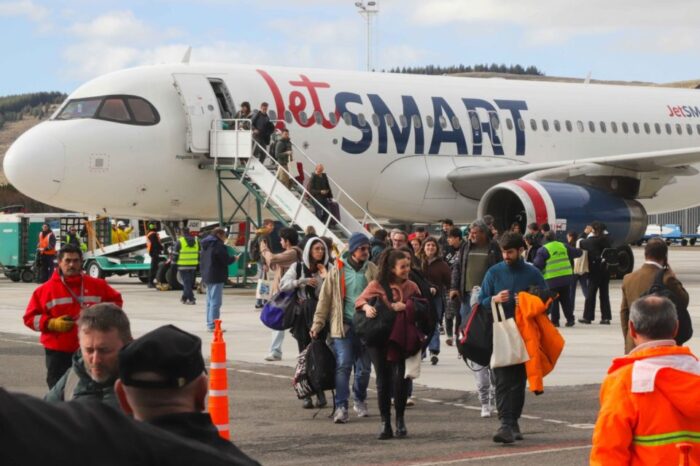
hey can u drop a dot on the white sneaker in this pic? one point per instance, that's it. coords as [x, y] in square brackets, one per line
[485, 411]
[273, 357]
[340, 416]
[360, 407]
[411, 401]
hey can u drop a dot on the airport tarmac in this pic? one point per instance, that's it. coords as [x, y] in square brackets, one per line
[444, 426]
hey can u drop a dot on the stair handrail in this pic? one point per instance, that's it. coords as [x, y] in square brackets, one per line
[217, 125]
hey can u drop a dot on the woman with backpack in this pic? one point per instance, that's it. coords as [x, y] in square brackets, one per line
[392, 289]
[439, 275]
[306, 277]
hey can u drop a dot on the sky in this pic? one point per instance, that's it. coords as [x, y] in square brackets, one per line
[59, 44]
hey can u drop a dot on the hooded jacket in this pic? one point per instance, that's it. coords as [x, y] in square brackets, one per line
[214, 260]
[649, 402]
[86, 389]
[292, 281]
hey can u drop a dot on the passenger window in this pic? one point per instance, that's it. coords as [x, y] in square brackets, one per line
[332, 118]
[114, 109]
[455, 123]
[361, 119]
[647, 128]
[657, 128]
[579, 125]
[625, 127]
[679, 128]
[272, 114]
[375, 119]
[303, 117]
[557, 126]
[569, 126]
[668, 128]
[689, 129]
[289, 118]
[143, 112]
[347, 118]
[533, 124]
[495, 122]
[403, 121]
[475, 122]
[603, 129]
[443, 121]
[591, 127]
[509, 124]
[521, 124]
[697, 128]
[389, 120]
[416, 121]
[317, 116]
[613, 127]
[429, 121]
[545, 125]
[635, 127]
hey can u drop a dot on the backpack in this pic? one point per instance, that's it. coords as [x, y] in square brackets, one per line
[475, 336]
[427, 319]
[685, 325]
[300, 382]
[320, 366]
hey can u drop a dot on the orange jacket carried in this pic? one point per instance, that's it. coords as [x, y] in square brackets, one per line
[649, 403]
[543, 342]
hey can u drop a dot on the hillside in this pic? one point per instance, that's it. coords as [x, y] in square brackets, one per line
[9, 133]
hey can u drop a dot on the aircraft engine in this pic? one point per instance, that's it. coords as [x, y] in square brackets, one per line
[566, 207]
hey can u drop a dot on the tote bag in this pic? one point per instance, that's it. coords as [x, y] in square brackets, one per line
[508, 345]
[263, 289]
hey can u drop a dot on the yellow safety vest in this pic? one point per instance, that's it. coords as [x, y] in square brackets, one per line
[189, 255]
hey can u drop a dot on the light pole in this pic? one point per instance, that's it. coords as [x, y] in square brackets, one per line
[367, 10]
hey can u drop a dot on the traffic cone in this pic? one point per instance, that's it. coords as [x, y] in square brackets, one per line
[218, 383]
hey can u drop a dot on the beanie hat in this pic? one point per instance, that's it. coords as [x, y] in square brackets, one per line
[356, 240]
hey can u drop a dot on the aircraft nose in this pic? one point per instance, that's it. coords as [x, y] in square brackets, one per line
[35, 163]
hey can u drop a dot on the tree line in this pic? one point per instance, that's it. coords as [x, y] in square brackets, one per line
[36, 104]
[492, 68]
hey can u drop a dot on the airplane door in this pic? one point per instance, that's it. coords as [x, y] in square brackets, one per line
[201, 108]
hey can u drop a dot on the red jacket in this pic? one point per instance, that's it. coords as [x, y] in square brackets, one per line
[52, 299]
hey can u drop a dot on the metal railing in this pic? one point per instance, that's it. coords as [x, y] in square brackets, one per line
[230, 128]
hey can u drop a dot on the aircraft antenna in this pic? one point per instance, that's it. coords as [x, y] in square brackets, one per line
[186, 57]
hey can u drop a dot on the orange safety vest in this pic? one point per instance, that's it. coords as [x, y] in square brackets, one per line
[150, 240]
[45, 244]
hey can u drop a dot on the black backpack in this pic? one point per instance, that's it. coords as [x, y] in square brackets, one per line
[426, 313]
[685, 325]
[320, 365]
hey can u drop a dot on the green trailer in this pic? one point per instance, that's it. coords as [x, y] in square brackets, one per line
[19, 234]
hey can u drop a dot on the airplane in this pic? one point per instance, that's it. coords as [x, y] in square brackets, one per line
[406, 147]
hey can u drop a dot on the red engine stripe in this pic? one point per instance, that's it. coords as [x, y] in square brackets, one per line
[537, 201]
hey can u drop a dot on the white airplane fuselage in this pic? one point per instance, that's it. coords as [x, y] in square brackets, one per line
[394, 166]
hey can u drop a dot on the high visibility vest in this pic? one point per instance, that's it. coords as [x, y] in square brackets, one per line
[45, 244]
[151, 238]
[558, 264]
[189, 255]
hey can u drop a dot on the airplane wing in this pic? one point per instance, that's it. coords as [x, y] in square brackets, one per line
[653, 169]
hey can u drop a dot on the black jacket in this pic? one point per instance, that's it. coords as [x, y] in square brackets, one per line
[214, 260]
[317, 183]
[459, 268]
[595, 246]
[265, 128]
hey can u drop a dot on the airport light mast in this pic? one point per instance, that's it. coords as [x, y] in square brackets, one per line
[368, 10]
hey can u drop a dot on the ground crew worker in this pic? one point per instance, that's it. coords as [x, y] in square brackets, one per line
[72, 237]
[121, 233]
[554, 260]
[55, 305]
[47, 252]
[650, 399]
[155, 249]
[103, 330]
[162, 382]
[186, 257]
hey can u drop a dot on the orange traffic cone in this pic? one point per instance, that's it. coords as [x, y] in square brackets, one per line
[218, 383]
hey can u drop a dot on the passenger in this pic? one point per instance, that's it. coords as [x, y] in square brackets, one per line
[56, 305]
[447, 251]
[278, 265]
[534, 230]
[306, 278]
[533, 244]
[266, 231]
[162, 381]
[309, 233]
[475, 257]
[320, 190]
[352, 272]
[186, 257]
[46, 249]
[437, 272]
[399, 238]
[554, 259]
[215, 261]
[501, 284]
[283, 155]
[415, 243]
[574, 241]
[103, 330]
[389, 359]
[599, 275]
[378, 244]
[243, 114]
[155, 249]
[420, 233]
[650, 399]
[454, 239]
[491, 223]
[638, 282]
[515, 228]
[262, 130]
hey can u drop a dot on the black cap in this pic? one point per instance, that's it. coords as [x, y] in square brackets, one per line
[173, 355]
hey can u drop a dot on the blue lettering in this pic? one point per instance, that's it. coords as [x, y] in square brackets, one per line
[342, 99]
[441, 135]
[400, 134]
[479, 128]
[515, 106]
[695, 111]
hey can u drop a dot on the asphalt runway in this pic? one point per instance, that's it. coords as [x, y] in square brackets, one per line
[444, 427]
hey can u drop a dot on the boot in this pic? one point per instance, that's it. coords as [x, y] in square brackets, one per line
[400, 427]
[321, 401]
[385, 431]
[308, 403]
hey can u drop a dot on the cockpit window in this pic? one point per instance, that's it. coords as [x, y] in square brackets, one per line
[116, 108]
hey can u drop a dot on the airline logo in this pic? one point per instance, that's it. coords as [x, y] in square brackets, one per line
[683, 111]
[471, 119]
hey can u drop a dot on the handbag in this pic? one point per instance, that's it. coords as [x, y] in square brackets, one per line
[263, 289]
[375, 331]
[475, 336]
[280, 312]
[508, 345]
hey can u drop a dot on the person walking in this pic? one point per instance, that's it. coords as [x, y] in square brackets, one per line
[186, 257]
[262, 131]
[454, 239]
[46, 249]
[284, 154]
[439, 275]
[346, 280]
[599, 275]
[394, 288]
[320, 189]
[579, 267]
[501, 285]
[155, 248]
[378, 244]
[215, 261]
[56, 305]
[306, 278]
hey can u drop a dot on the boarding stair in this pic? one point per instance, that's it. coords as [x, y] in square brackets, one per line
[231, 156]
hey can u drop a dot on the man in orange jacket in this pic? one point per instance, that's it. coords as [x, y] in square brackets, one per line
[650, 399]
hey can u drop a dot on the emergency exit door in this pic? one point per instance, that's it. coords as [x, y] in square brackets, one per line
[201, 108]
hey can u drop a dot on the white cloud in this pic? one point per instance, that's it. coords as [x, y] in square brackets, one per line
[36, 13]
[121, 27]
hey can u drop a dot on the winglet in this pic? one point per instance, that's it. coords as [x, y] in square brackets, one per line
[186, 57]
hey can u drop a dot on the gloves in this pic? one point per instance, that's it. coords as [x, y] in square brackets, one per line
[61, 324]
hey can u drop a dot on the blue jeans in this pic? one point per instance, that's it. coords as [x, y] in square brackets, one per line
[277, 340]
[434, 345]
[583, 280]
[187, 277]
[214, 293]
[350, 353]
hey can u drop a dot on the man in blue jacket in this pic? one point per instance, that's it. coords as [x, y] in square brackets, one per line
[502, 284]
[213, 266]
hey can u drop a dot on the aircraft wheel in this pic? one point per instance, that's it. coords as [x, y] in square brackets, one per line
[625, 259]
[684, 242]
[171, 276]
